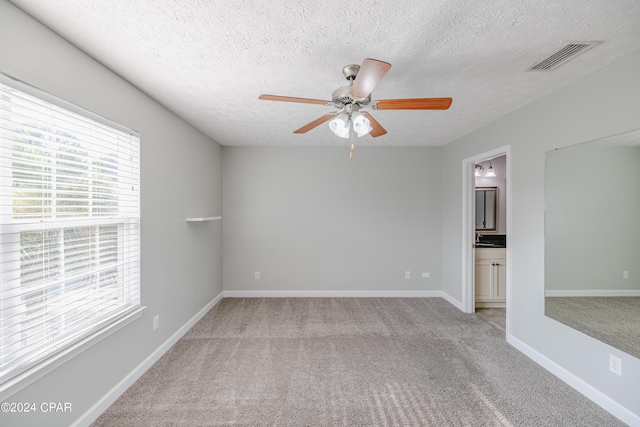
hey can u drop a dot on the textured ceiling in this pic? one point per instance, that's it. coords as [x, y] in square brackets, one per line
[208, 61]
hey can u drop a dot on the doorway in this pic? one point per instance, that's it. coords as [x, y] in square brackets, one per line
[496, 264]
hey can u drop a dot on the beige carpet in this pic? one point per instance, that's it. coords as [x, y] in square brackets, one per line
[348, 362]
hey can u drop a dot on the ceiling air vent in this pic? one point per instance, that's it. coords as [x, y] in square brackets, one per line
[568, 52]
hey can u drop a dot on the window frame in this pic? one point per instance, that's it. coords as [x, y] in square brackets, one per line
[21, 377]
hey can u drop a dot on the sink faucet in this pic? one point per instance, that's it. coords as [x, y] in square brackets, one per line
[478, 236]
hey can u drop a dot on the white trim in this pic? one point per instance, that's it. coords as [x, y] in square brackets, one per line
[101, 405]
[468, 230]
[509, 231]
[454, 302]
[28, 377]
[596, 396]
[334, 294]
[594, 293]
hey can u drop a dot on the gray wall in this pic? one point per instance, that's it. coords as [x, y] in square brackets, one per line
[592, 218]
[604, 103]
[181, 175]
[310, 219]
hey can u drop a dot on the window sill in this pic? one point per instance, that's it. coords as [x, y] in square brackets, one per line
[17, 383]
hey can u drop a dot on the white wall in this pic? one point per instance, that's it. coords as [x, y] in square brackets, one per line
[181, 175]
[604, 103]
[310, 219]
[592, 219]
[500, 180]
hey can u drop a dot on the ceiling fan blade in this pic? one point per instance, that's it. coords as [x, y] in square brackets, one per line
[378, 130]
[413, 104]
[317, 122]
[370, 73]
[292, 99]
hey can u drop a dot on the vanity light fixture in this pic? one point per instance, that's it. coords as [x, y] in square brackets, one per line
[479, 170]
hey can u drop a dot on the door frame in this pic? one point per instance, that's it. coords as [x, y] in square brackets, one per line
[468, 228]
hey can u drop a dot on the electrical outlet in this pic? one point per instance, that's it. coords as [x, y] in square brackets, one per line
[426, 275]
[156, 322]
[625, 274]
[615, 365]
[256, 275]
[407, 275]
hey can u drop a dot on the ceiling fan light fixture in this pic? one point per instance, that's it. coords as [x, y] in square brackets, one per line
[349, 99]
[340, 125]
[361, 125]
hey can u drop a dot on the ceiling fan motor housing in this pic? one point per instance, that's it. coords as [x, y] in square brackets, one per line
[342, 96]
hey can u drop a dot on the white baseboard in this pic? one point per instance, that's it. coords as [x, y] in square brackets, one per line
[451, 300]
[594, 293]
[333, 294]
[602, 400]
[99, 407]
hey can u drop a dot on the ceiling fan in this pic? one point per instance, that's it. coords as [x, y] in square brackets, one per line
[349, 100]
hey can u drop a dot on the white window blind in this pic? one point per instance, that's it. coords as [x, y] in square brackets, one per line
[69, 223]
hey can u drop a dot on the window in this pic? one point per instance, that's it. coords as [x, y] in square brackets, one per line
[69, 225]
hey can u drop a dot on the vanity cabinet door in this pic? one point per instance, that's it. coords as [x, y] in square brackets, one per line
[490, 277]
[484, 282]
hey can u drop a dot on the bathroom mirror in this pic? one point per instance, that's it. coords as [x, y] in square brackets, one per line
[486, 198]
[592, 239]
